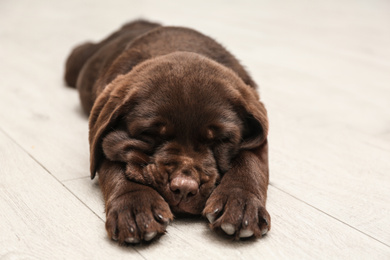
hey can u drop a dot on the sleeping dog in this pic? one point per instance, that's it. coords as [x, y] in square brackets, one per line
[175, 126]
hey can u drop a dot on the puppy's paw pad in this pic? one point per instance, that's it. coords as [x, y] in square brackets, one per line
[132, 240]
[228, 228]
[211, 216]
[150, 235]
[246, 233]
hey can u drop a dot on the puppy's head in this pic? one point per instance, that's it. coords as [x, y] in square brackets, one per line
[176, 122]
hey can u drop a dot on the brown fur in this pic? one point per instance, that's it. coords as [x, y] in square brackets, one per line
[176, 125]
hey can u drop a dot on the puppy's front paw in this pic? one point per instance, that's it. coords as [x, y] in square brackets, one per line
[137, 216]
[237, 212]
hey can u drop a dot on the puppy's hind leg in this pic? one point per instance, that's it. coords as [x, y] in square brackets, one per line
[76, 61]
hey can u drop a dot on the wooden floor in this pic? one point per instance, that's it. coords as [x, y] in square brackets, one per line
[324, 73]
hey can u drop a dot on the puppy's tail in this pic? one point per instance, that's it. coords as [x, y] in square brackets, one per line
[76, 61]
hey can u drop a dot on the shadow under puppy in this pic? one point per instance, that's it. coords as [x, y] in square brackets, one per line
[175, 126]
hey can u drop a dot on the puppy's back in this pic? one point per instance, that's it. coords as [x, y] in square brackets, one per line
[88, 61]
[96, 65]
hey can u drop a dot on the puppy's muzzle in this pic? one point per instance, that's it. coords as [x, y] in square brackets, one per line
[184, 187]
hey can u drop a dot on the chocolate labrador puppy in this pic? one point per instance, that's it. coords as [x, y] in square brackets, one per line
[175, 126]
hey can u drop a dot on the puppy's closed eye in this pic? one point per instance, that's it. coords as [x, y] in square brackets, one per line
[150, 130]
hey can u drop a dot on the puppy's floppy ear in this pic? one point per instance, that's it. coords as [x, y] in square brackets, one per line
[254, 116]
[256, 126]
[117, 98]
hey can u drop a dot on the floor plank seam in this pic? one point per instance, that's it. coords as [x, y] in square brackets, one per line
[339, 220]
[75, 179]
[61, 182]
[47, 170]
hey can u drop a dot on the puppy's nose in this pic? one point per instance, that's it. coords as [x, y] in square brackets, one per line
[185, 186]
